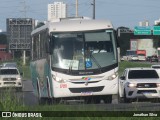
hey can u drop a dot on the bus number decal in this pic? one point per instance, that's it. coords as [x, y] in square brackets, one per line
[63, 85]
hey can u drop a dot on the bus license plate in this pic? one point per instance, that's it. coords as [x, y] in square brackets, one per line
[86, 93]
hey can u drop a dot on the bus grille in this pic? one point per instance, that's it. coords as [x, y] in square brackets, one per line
[85, 82]
[87, 89]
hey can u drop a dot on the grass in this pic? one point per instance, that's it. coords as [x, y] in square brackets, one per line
[26, 72]
[126, 64]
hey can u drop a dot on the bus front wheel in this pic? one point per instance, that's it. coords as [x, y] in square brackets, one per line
[107, 99]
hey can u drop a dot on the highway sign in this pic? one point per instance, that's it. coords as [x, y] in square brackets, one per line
[156, 30]
[139, 30]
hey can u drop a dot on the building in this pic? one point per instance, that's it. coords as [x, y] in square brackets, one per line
[4, 55]
[19, 34]
[143, 44]
[157, 22]
[3, 32]
[144, 23]
[57, 10]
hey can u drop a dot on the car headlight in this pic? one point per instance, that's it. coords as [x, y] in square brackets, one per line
[19, 78]
[113, 76]
[131, 85]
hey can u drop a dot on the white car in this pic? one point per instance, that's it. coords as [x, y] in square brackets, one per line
[9, 64]
[134, 58]
[139, 83]
[157, 68]
[10, 77]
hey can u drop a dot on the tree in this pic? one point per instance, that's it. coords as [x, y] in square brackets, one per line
[156, 39]
[39, 25]
[3, 39]
[124, 40]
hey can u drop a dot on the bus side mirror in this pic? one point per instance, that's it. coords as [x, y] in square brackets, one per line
[122, 78]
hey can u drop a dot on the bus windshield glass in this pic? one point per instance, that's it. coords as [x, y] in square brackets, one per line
[84, 50]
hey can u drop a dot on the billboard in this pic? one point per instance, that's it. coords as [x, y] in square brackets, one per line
[143, 44]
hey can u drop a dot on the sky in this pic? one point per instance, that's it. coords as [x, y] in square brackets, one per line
[127, 13]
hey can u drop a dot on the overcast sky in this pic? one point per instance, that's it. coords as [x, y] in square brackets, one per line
[126, 13]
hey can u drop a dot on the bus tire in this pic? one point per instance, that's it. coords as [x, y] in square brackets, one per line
[43, 101]
[126, 100]
[120, 99]
[92, 100]
[56, 100]
[97, 100]
[108, 99]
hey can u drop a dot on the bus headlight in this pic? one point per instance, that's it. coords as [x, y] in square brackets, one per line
[58, 79]
[158, 84]
[113, 76]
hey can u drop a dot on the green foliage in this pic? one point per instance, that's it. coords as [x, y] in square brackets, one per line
[126, 64]
[124, 42]
[156, 39]
[3, 39]
[8, 100]
[39, 25]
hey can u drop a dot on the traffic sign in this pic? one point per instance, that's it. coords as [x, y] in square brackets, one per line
[139, 30]
[156, 30]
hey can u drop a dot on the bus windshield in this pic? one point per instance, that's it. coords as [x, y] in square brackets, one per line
[84, 50]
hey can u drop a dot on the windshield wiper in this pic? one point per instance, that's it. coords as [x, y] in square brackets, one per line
[70, 66]
[94, 59]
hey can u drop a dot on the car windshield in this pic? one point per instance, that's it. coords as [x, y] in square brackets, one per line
[141, 55]
[84, 50]
[156, 67]
[142, 74]
[10, 65]
[8, 71]
[135, 56]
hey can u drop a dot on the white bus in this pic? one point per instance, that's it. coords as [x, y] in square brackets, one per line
[75, 59]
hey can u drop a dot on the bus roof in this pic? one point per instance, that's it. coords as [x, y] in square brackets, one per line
[75, 25]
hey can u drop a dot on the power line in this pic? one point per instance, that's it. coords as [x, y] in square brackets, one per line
[24, 8]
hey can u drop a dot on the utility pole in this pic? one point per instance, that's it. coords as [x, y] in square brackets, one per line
[25, 14]
[76, 8]
[94, 5]
[24, 8]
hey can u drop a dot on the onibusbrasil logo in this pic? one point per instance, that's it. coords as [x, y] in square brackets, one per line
[21, 114]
